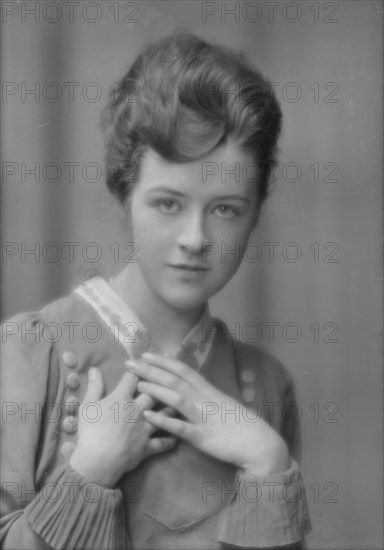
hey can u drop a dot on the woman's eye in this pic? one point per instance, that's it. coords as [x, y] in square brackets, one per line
[226, 211]
[169, 206]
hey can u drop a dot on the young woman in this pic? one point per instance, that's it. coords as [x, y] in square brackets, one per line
[153, 430]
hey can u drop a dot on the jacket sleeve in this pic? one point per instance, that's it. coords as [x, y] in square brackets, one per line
[272, 511]
[66, 511]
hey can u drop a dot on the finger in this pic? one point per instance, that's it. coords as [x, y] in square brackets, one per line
[174, 426]
[166, 411]
[167, 396]
[95, 387]
[145, 401]
[157, 375]
[173, 366]
[169, 411]
[158, 445]
[126, 387]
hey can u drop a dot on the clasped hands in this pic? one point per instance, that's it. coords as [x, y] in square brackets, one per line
[253, 446]
[107, 449]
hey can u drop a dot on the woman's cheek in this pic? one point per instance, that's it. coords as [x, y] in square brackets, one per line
[149, 235]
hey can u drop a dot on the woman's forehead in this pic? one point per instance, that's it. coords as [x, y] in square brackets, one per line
[227, 169]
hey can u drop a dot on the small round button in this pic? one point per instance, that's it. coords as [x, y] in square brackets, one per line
[73, 380]
[70, 424]
[69, 359]
[248, 376]
[248, 394]
[71, 404]
[67, 448]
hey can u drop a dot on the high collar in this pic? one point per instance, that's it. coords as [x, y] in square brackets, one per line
[131, 332]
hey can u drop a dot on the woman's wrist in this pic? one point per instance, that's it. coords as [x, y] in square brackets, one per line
[91, 472]
[276, 461]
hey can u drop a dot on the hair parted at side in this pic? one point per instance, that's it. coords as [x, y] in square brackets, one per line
[183, 97]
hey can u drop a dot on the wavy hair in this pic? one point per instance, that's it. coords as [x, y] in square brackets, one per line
[184, 97]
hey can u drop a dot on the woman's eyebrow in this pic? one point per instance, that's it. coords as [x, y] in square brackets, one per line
[232, 197]
[164, 189]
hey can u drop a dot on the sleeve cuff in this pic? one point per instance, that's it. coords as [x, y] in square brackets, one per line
[72, 513]
[264, 512]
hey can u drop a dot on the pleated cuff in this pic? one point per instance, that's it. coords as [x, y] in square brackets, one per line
[72, 513]
[264, 512]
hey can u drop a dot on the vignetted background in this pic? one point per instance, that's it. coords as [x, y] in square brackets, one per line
[309, 290]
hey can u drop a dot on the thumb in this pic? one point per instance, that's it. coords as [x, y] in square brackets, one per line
[95, 388]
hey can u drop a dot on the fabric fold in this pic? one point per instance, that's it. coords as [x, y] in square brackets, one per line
[73, 513]
[271, 510]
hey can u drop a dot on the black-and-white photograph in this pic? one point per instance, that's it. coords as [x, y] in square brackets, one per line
[191, 274]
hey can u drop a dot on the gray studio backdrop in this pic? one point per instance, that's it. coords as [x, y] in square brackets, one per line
[309, 289]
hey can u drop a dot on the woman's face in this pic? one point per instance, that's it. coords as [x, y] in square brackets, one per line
[191, 222]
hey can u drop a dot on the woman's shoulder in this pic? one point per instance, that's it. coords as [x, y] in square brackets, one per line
[63, 307]
[253, 361]
[55, 306]
[25, 333]
[251, 356]
[258, 370]
[28, 352]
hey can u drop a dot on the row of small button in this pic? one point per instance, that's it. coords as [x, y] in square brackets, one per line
[71, 404]
[248, 376]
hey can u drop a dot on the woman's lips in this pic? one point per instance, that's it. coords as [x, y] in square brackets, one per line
[189, 272]
[189, 267]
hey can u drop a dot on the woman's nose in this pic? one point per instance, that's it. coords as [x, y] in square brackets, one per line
[192, 236]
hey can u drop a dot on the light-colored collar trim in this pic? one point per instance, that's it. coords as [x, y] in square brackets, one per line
[132, 334]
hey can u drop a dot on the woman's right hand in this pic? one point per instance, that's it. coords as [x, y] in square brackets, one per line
[113, 435]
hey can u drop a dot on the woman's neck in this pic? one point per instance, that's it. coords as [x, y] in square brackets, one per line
[167, 325]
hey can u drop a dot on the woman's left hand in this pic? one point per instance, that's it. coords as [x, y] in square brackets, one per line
[213, 422]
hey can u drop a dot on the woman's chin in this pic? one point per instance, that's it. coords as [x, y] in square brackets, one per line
[185, 300]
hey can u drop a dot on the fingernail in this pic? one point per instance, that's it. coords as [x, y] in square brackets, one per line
[141, 386]
[148, 355]
[131, 365]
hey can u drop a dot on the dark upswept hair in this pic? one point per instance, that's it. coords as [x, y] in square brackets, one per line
[183, 97]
